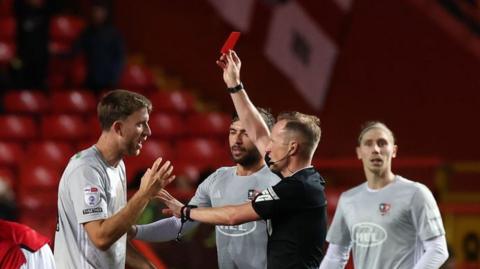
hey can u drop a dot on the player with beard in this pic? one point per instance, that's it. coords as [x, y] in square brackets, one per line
[387, 221]
[295, 207]
[93, 213]
[238, 246]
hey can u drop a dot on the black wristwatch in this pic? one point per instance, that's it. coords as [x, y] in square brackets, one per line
[236, 88]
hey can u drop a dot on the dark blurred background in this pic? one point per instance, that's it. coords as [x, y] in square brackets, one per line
[412, 64]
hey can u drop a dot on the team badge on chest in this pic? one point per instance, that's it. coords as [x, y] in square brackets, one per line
[384, 208]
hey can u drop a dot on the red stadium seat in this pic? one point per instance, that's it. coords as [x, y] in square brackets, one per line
[209, 124]
[7, 29]
[38, 200]
[63, 31]
[84, 144]
[189, 170]
[8, 176]
[7, 52]
[64, 127]
[17, 127]
[137, 77]
[203, 152]
[35, 177]
[64, 73]
[38, 209]
[166, 126]
[151, 150]
[95, 130]
[54, 154]
[11, 154]
[43, 221]
[29, 101]
[66, 28]
[174, 101]
[74, 101]
[78, 72]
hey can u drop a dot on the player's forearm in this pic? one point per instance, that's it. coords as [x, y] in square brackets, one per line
[220, 215]
[336, 257]
[111, 229]
[163, 230]
[226, 215]
[250, 117]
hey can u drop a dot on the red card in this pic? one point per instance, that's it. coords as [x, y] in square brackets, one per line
[230, 42]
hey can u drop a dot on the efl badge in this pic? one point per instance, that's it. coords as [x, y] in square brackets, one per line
[91, 195]
[251, 194]
[384, 208]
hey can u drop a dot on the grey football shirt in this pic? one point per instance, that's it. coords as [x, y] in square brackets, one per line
[89, 190]
[241, 246]
[385, 227]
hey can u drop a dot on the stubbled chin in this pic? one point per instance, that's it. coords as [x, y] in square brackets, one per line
[134, 152]
[274, 168]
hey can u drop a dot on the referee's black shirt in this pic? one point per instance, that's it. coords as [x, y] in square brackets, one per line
[296, 211]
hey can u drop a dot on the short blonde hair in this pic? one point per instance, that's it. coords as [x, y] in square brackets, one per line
[367, 126]
[308, 126]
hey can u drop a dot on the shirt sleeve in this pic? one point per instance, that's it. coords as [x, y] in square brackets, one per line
[163, 230]
[426, 215]
[436, 253]
[87, 192]
[202, 194]
[336, 257]
[285, 196]
[339, 233]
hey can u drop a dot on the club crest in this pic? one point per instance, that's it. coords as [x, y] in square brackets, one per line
[384, 208]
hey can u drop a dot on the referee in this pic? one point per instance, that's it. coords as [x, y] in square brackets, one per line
[295, 208]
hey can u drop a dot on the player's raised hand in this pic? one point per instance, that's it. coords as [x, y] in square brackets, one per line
[174, 206]
[231, 65]
[156, 178]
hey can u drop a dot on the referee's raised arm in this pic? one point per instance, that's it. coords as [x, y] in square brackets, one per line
[249, 116]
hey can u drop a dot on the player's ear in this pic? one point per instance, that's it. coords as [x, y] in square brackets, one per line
[117, 127]
[357, 149]
[394, 151]
[293, 148]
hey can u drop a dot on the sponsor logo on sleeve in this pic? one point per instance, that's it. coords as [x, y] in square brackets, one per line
[91, 196]
[92, 210]
[368, 234]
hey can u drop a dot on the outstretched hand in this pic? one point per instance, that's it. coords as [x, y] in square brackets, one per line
[156, 178]
[174, 206]
[231, 65]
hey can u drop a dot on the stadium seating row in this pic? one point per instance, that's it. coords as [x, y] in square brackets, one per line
[76, 128]
[84, 101]
[200, 151]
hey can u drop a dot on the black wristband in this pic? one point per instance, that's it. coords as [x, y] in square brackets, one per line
[184, 217]
[236, 88]
[185, 212]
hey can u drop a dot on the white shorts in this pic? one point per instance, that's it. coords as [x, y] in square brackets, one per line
[41, 259]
